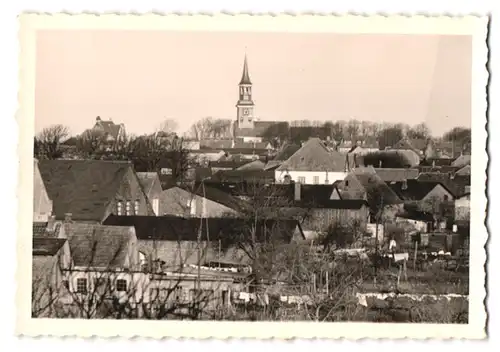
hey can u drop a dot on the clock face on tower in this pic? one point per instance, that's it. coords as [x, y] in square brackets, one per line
[246, 112]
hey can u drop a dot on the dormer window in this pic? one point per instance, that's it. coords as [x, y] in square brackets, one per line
[119, 208]
[128, 209]
[136, 207]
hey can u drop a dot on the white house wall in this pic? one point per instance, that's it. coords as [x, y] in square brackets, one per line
[331, 177]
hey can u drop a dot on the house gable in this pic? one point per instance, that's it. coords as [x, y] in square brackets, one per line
[179, 202]
[440, 192]
[42, 204]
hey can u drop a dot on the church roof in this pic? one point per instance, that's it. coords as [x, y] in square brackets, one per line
[245, 77]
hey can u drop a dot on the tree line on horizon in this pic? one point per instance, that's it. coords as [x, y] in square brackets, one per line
[148, 149]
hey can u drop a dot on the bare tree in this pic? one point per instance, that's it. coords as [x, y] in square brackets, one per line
[209, 127]
[90, 144]
[352, 129]
[168, 126]
[419, 131]
[48, 142]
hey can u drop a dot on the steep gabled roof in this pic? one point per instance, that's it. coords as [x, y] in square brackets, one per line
[100, 246]
[455, 184]
[221, 197]
[376, 189]
[83, 188]
[466, 170]
[313, 156]
[462, 160]
[414, 189]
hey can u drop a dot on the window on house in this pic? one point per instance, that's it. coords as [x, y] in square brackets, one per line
[316, 180]
[347, 183]
[445, 197]
[121, 285]
[136, 207]
[119, 208]
[301, 179]
[128, 208]
[65, 284]
[81, 285]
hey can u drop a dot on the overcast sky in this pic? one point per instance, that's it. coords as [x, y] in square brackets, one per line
[142, 77]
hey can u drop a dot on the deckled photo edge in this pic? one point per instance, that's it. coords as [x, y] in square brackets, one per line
[475, 26]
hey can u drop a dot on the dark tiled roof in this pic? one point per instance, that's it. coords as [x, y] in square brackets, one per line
[376, 189]
[455, 185]
[286, 152]
[83, 188]
[392, 174]
[99, 246]
[172, 228]
[243, 176]
[313, 156]
[413, 214]
[436, 162]
[415, 190]
[47, 246]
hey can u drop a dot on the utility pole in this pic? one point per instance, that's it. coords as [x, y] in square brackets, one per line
[379, 215]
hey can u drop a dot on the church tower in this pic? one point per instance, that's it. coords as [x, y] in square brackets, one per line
[245, 105]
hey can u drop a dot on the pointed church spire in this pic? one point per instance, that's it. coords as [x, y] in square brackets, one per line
[245, 77]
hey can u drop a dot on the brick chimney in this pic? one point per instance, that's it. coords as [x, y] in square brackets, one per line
[67, 217]
[296, 193]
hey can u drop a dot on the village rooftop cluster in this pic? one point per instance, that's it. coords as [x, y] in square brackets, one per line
[252, 220]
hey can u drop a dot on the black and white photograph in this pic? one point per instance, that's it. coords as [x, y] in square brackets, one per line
[255, 176]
